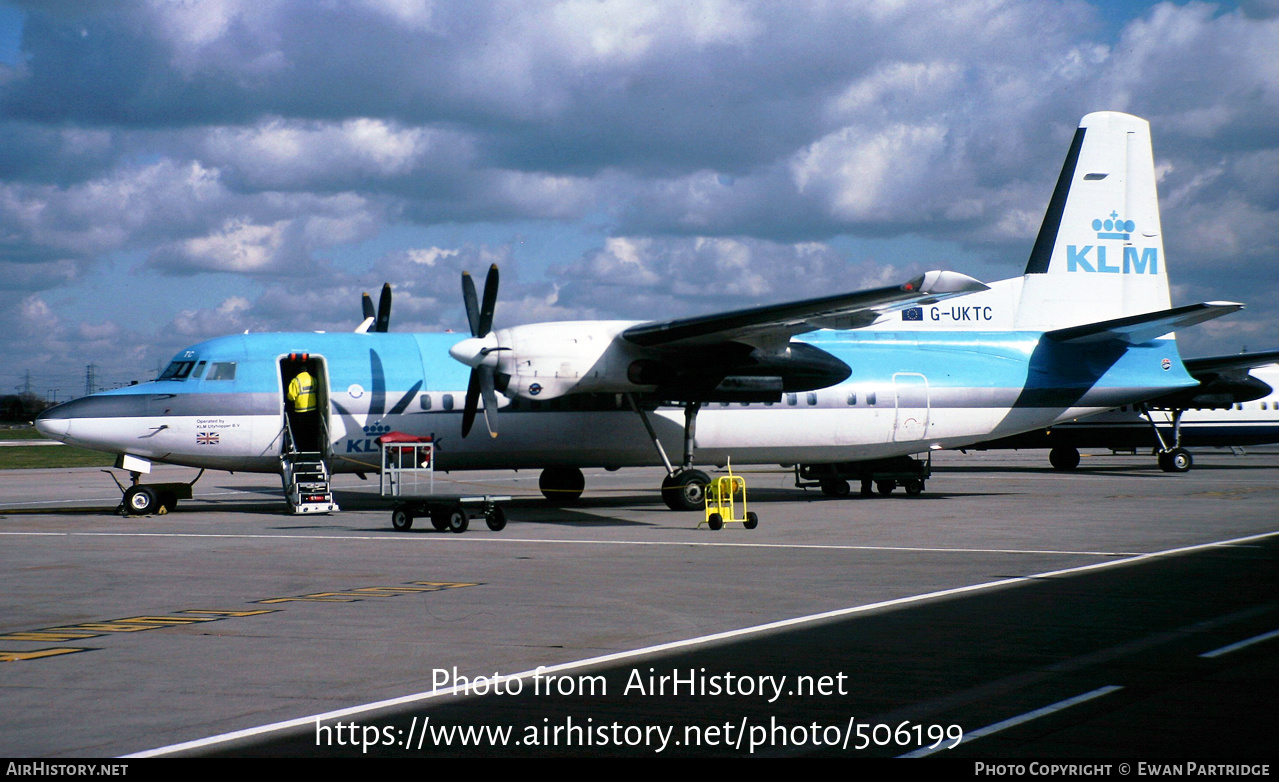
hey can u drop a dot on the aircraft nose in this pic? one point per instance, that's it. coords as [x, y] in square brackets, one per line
[53, 425]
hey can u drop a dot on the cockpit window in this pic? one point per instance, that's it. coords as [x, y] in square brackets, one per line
[178, 370]
[222, 370]
[199, 370]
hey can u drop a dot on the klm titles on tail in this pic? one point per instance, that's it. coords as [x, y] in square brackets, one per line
[1113, 228]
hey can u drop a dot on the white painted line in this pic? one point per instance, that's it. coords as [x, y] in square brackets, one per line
[1256, 639]
[402, 539]
[674, 645]
[1027, 717]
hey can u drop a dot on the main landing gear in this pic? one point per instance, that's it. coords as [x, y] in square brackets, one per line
[1065, 458]
[685, 488]
[1176, 458]
[561, 485]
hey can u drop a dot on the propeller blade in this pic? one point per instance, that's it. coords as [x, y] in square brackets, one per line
[490, 398]
[472, 306]
[384, 309]
[472, 402]
[368, 306]
[489, 302]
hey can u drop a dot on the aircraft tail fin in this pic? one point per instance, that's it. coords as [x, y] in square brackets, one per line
[1099, 255]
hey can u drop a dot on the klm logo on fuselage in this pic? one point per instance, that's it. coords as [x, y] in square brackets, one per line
[369, 444]
[1092, 258]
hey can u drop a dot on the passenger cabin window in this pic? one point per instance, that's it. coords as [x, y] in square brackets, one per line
[812, 398]
[221, 370]
[870, 398]
[852, 398]
[448, 401]
[791, 399]
[177, 370]
[425, 401]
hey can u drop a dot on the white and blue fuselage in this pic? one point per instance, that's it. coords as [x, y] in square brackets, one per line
[909, 392]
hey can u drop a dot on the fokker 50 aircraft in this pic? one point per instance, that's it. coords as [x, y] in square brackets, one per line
[1085, 329]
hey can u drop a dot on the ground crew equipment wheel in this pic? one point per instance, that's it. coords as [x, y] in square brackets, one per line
[836, 487]
[458, 520]
[495, 518]
[401, 519]
[752, 520]
[440, 519]
[715, 521]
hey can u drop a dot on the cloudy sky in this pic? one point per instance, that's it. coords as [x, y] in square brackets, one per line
[173, 170]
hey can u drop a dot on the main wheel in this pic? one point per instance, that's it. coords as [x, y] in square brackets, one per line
[836, 487]
[140, 500]
[885, 487]
[561, 485]
[685, 490]
[715, 521]
[752, 521]
[1064, 458]
[1177, 460]
[458, 520]
[401, 519]
[496, 518]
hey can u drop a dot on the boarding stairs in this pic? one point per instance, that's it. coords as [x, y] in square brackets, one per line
[306, 479]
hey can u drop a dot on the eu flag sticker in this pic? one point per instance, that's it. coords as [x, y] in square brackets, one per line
[913, 313]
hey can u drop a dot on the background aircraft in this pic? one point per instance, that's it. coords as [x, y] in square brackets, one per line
[1231, 407]
[1085, 329]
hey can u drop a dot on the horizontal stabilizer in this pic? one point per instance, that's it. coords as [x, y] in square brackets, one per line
[1136, 329]
[782, 321]
[1233, 361]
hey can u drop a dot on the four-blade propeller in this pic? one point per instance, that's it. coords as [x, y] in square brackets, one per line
[478, 352]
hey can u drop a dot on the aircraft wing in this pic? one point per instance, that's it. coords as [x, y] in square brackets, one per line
[774, 323]
[1137, 329]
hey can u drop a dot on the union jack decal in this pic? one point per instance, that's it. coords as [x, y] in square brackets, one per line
[206, 438]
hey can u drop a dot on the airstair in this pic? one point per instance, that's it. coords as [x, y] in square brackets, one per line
[306, 479]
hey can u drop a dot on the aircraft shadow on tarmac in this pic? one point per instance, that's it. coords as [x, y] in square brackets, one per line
[972, 660]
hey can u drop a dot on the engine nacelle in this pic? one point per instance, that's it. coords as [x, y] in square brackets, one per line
[549, 360]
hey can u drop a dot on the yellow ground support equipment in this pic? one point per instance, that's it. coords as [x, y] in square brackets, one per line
[722, 498]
